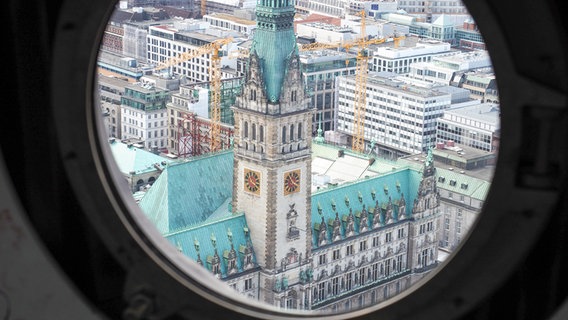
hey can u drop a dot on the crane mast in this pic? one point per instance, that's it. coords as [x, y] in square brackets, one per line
[215, 83]
[360, 108]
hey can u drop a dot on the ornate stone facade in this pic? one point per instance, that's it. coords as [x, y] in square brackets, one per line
[272, 140]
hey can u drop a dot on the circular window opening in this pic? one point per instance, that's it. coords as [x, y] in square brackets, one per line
[271, 162]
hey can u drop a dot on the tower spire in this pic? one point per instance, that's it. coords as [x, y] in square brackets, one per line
[274, 43]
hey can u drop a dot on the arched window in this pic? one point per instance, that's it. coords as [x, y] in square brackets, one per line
[291, 132]
[253, 136]
[261, 137]
[283, 134]
[299, 131]
[246, 129]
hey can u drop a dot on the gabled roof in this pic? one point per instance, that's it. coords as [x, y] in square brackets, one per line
[186, 194]
[132, 159]
[443, 20]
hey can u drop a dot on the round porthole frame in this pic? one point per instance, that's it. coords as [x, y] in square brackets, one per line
[510, 214]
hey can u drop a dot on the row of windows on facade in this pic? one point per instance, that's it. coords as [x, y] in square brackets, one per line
[392, 98]
[177, 48]
[141, 115]
[247, 285]
[466, 121]
[335, 285]
[289, 133]
[228, 25]
[470, 142]
[361, 302]
[336, 254]
[135, 132]
[376, 242]
[141, 125]
[401, 62]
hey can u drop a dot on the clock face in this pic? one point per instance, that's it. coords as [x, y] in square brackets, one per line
[291, 182]
[252, 181]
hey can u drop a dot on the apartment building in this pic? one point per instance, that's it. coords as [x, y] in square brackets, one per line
[144, 115]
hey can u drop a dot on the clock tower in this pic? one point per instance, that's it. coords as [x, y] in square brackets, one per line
[272, 162]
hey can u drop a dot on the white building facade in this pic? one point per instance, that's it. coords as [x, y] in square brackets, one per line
[167, 41]
[433, 7]
[400, 118]
[144, 116]
[441, 69]
[231, 22]
[472, 125]
[398, 60]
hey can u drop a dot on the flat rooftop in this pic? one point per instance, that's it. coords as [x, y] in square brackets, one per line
[484, 112]
[232, 18]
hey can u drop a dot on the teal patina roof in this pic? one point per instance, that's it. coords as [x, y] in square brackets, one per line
[132, 159]
[395, 184]
[187, 193]
[274, 43]
[227, 231]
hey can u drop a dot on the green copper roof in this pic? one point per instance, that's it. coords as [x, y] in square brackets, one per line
[274, 43]
[188, 193]
[395, 184]
[230, 230]
[131, 159]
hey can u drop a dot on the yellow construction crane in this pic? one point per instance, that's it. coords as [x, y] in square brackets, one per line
[214, 79]
[361, 74]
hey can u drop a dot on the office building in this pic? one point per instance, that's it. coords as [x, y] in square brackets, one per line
[441, 69]
[470, 125]
[400, 118]
[398, 59]
[320, 69]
